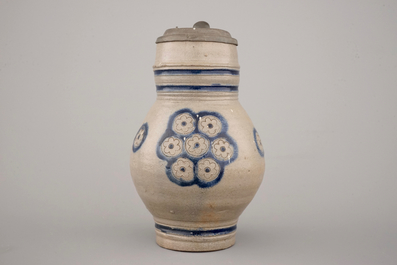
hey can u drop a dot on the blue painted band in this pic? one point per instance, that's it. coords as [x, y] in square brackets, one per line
[198, 88]
[197, 72]
[184, 232]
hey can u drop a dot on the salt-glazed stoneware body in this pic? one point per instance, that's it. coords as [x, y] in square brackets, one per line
[197, 160]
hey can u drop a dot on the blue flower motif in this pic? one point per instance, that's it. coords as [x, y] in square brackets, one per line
[196, 155]
[140, 137]
[258, 143]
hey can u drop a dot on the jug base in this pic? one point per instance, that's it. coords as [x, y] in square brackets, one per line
[195, 240]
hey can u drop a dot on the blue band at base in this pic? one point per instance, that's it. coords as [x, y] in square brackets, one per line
[198, 88]
[184, 232]
[197, 72]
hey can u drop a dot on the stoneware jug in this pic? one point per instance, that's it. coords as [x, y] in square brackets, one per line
[197, 160]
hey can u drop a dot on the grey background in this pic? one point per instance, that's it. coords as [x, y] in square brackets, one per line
[318, 79]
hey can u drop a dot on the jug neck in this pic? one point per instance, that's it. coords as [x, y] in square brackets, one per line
[196, 67]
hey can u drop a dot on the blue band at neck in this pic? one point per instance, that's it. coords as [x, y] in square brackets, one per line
[197, 72]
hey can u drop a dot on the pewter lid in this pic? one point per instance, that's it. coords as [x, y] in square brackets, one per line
[201, 31]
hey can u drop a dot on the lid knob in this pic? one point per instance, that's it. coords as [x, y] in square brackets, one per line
[201, 25]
